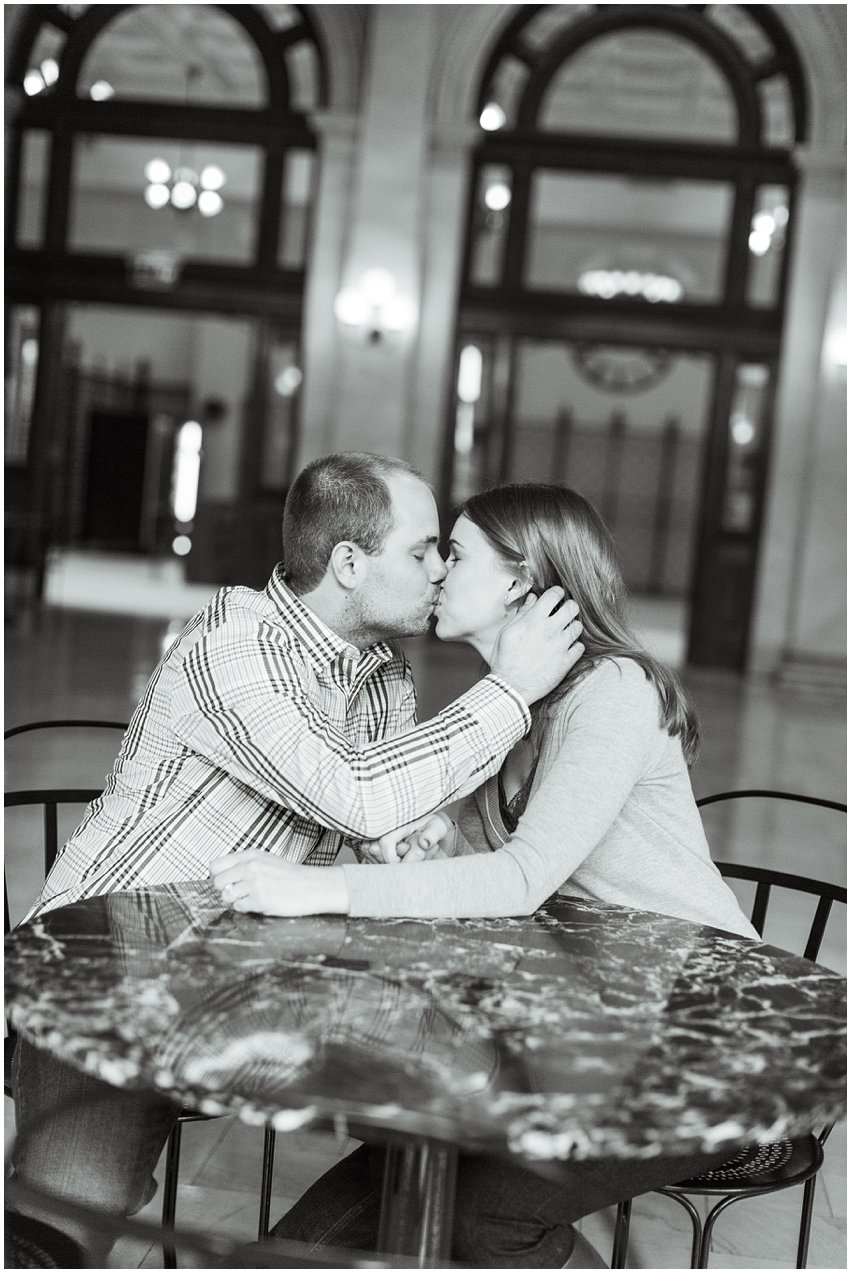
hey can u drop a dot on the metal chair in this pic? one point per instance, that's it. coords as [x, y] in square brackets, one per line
[755, 1169]
[51, 800]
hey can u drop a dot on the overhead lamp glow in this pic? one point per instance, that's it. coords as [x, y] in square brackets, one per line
[651, 286]
[470, 374]
[183, 195]
[398, 314]
[156, 196]
[287, 381]
[184, 189]
[497, 196]
[187, 467]
[492, 117]
[759, 243]
[212, 177]
[352, 307]
[377, 285]
[101, 90]
[836, 348]
[33, 83]
[742, 431]
[210, 203]
[158, 171]
[375, 305]
[764, 223]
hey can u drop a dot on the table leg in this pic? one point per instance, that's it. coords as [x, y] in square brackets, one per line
[417, 1200]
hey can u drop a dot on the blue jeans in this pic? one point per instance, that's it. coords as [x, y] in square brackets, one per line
[101, 1151]
[506, 1217]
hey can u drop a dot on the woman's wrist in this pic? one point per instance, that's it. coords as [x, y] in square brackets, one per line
[331, 890]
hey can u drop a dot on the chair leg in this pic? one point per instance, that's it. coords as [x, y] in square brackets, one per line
[621, 1243]
[806, 1222]
[709, 1226]
[266, 1182]
[697, 1232]
[172, 1168]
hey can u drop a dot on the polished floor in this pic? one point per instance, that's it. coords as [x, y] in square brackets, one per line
[75, 659]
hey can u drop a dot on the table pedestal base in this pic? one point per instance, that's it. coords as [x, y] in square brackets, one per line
[417, 1201]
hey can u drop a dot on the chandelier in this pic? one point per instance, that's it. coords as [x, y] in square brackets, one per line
[183, 188]
[648, 284]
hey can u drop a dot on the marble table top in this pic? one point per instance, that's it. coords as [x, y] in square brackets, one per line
[587, 1030]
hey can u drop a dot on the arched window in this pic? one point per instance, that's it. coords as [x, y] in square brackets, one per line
[631, 208]
[161, 159]
[216, 92]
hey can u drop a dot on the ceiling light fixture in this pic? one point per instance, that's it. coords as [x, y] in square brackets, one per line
[182, 187]
[647, 284]
[492, 117]
[375, 305]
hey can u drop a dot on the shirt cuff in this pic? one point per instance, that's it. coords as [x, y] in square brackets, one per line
[513, 695]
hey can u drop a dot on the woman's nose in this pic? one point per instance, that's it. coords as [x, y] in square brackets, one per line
[439, 569]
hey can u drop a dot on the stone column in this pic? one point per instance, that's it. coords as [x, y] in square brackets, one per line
[443, 242]
[360, 391]
[799, 611]
[337, 156]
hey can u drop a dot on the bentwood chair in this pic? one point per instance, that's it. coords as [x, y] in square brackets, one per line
[52, 801]
[756, 1169]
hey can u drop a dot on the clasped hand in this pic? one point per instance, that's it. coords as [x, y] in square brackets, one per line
[268, 885]
[418, 841]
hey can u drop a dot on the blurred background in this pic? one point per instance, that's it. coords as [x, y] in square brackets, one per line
[596, 244]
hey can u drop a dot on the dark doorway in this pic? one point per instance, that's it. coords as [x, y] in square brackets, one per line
[115, 480]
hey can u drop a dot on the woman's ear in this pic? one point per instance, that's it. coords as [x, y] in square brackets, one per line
[517, 590]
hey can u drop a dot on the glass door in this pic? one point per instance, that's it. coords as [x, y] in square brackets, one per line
[625, 425]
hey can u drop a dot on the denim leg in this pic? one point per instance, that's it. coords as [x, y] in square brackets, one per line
[509, 1217]
[341, 1208]
[102, 1152]
[506, 1217]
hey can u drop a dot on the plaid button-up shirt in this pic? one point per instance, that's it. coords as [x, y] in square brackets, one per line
[263, 729]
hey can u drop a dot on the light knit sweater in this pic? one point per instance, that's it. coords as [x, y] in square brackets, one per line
[610, 815]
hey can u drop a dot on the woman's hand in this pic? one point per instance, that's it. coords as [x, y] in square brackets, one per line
[267, 885]
[413, 842]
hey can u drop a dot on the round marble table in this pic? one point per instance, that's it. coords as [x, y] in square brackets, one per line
[586, 1030]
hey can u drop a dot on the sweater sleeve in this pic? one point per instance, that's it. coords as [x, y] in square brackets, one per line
[607, 734]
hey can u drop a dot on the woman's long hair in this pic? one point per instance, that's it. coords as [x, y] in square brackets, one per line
[551, 535]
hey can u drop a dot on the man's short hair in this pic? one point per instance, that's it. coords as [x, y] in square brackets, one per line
[340, 497]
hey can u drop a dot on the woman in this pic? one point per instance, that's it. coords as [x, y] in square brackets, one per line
[596, 800]
[597, 797]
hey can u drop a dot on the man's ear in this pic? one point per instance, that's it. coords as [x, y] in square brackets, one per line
[345, 564]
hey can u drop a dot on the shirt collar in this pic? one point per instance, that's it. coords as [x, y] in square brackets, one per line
[323, 645]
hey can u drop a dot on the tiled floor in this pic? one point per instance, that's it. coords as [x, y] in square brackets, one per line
[81, 662]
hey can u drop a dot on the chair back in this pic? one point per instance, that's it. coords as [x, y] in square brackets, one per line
[766, 879]
[52, 798]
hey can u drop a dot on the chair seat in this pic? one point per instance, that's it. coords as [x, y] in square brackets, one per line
[758, 1167]
[32, 1244]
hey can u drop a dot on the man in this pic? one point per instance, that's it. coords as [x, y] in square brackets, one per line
[279, 721]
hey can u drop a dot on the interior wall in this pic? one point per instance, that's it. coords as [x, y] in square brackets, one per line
[428, 96]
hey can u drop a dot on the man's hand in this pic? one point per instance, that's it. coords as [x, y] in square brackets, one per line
[537, 649]
[412, 842]
[267, 885]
